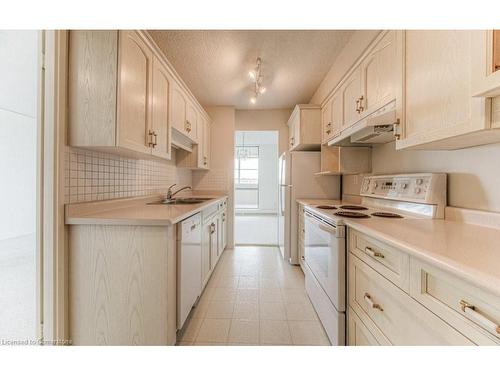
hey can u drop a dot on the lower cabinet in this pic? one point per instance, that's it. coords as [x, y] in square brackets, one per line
[396, 299]
[122, 285]
[214, 238]
[301, 243]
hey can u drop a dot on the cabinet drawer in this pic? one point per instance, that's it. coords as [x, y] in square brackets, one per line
[442, 293]
[360, 335]
[385, 308]
[387, 260]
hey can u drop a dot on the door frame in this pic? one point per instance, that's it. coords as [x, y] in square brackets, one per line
[52, 262]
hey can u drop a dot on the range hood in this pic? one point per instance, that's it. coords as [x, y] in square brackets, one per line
[376, 128]
[181, 141]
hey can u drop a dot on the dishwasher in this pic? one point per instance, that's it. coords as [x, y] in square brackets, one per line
[188, 266]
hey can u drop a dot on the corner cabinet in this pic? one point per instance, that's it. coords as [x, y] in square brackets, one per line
[440, 111]
[304, 128]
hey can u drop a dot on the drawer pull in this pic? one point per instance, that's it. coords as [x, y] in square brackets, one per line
[470, 312]
[372, 253]
[370, 302]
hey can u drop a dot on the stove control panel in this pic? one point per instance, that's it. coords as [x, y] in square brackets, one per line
[421, 188]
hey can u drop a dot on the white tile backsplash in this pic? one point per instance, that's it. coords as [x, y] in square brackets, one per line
[94, 176]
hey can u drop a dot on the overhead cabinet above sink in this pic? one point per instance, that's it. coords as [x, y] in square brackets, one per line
[125, 97]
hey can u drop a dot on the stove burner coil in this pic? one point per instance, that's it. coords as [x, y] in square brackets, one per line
[357, 215]
[325, 207]
[387, 214]
[356, 208]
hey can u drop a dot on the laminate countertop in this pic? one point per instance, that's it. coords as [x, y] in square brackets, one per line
[136, 211]
[468, 250]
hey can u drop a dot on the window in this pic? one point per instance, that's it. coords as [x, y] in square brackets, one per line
[246, 176]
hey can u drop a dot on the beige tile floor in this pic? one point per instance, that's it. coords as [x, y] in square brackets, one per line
[254, 298]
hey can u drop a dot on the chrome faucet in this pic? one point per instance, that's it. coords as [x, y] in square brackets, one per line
[171, 194]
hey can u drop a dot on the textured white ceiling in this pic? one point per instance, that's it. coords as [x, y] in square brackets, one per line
[215, 64]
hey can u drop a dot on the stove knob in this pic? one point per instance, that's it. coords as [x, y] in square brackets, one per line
[419, 181]
[417, 190]
[404, 185]
[375, 184]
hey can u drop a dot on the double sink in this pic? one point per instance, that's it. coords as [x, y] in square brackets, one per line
[175, 201]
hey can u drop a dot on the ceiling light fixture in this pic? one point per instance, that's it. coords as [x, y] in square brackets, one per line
[256, 76]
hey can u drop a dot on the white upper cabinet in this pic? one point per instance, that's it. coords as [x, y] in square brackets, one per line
[124, 97]
[304, 128]
[179, 106]
[381, 73]
[352, 99]
[199, 156]
[486, 63]
[440, 111]
[160, 110]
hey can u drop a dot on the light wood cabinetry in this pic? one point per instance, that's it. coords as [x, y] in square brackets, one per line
[485, 72]
[124, 97]
[301, 235]
[199, 156]
[160, 110]
[440, 111]
[345, 160]
[381, 74]
[214, 238]
[304, 128]
[352, 99]
[122, 284]
[134, 92]
[448, 297]
[390, 312]
[395, 298]
[111, 94]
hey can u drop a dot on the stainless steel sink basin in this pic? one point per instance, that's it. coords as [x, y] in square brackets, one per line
[190, 200]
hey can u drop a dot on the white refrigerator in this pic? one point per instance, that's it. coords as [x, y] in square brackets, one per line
[298, 179]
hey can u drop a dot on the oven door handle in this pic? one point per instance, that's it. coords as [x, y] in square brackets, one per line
[328, 229]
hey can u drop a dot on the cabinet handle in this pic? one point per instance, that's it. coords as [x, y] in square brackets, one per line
[370, 302]
[150, 142]
[292, 141]
[328, 131]
[193, 227]
[396, 129]
[373, 253]
[303, 257]
[470, 312]
[156, 139]
[357, 106]
[361, 108]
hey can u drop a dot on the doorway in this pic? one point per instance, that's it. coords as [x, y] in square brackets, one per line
[19, 163]
[256, 188]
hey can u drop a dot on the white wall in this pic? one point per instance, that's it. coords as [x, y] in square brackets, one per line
[18, 129]
[268, 167]
[266, 119]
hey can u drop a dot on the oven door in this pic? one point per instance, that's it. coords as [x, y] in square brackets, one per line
[325, 256]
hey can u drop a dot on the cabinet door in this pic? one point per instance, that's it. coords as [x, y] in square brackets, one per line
[214, 244]
[159, 107]
[191, 121]
[486, 63]
[224, 230]
[351, 96]
[134, 100]
[178, 108]
[206, 144]
[205, 253]
[438, 103]
[379, 72]
[326, 121]
[337, 114]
